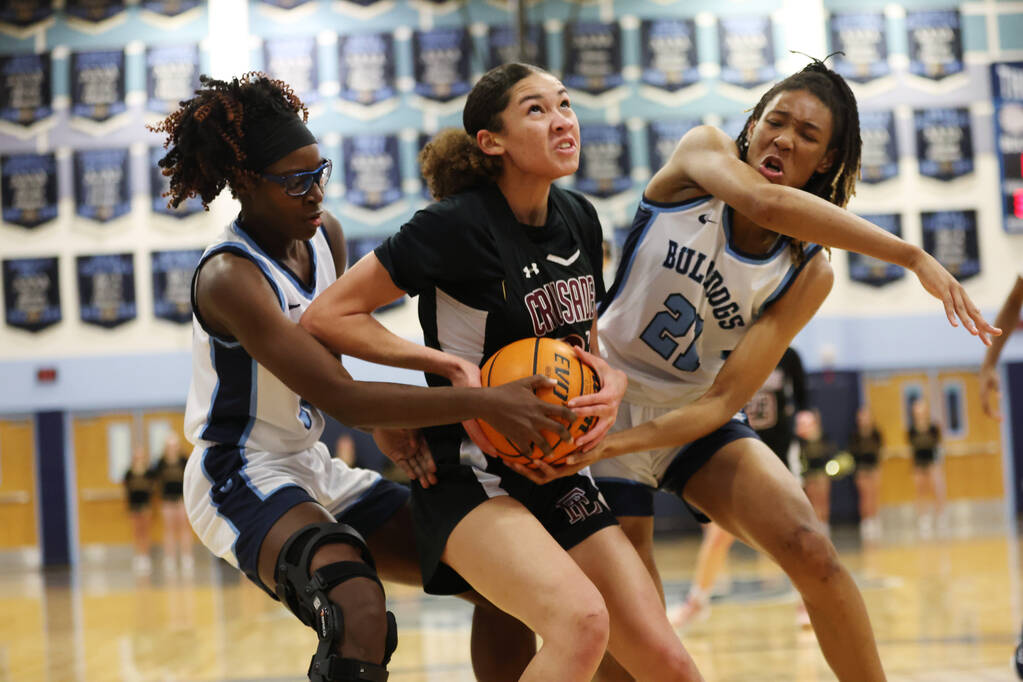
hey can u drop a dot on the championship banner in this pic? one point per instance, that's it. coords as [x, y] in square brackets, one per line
[503, 42]
[170, 8]
[93, 10]
[935, 43]
[593, 57]
[662, 138]
[873, 271]
[944, 144]
[101, 183]
[1007, 95]
[294, 61]
[25, 91]
[159, 184]
[372, 170]
[31, 293]
[172, 283]
[951, 237]
[863, 41]
[747, 50]
[359, 247]
[441, 58]
[106, 289]
[605, 168]
[880, 154]
[285, 4]
[25, 12]
[669, 59]
[172, 75]
[28, 189]
[97, 84]
[366, 68]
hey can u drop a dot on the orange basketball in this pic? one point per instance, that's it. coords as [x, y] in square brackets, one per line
[551, 358]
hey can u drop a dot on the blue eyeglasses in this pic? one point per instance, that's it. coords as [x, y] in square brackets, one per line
[299, 184]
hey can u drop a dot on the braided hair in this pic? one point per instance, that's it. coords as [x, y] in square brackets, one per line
[837, 184]
[206, 134]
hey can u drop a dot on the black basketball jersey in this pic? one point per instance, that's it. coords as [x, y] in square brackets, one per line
[861, 446]
[772, 409]
[485, 280]
[924, 443]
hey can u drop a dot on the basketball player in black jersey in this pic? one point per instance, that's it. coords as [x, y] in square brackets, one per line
[503, 255]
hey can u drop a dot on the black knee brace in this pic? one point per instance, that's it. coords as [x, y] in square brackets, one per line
[307, 598]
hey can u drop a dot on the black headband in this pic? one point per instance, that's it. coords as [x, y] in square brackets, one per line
[269, 141]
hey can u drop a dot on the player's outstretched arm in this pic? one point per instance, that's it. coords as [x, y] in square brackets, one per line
[1008, 318]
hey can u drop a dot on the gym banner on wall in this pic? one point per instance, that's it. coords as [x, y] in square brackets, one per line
[1007, 93]
[880, 154]
[873, 271]
[101, 183]
[662, 138]
[747, 50]
[669, 59]
[106, 289]
[31, 293]
[944, 144]
[441, 58]
[951, 237]
[286, 4]
[294, 61]
[172, 283]
[935, 43]
[605, 168]
[372, 170]
[28, 189]
[863, 40]
[503, 43]
[366, 68]
[25, 12]
[593, 57]
[93, 10]
[97, 84]
[170, 8]
[25, 91]
[160, 183]
[172, 75]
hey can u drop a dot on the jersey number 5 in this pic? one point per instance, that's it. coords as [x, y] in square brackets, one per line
[668, 326]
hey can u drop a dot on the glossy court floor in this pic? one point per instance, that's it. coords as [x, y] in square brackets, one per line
[944, 610]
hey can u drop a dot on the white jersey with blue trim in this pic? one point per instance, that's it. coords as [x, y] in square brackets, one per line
[233, 400]
[683, 297]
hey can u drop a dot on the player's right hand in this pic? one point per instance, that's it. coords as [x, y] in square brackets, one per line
[515, 411]
[990, 392]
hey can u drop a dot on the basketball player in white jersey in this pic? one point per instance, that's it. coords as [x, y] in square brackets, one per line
[717, 276]
[260, 490]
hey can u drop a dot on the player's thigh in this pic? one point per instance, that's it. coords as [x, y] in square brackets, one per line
[393, 546]
[296, 518]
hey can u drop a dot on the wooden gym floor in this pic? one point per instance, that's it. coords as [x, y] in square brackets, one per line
[945, 610]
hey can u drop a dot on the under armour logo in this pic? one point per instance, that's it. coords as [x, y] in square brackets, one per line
[705, 218]
[530, 270]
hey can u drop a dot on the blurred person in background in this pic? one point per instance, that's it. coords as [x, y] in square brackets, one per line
[177, 535]
[928, 473]
[138, 487]
[865, 446]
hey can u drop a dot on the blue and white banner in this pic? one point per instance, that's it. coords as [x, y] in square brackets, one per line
[951, 237]
[944, 142]
[873, 271]
[503, 43]
[170, 8]
[747, 50]
[1007, 95]
[97, 84]
[93, 10]
[102, 189]
[106, 289]
[25, 12]
[366, 68]
[359, 247]
[935, 43]
[285, 4]
[669, 58]
[593, 56]
[372, 170]
[159, 184]
[605, 168]
[862, 39]
[172, 75]
[879, 160]
[31, 293]
[293, 60]
[662, 138]
[28, 189]
[172, 283]
[25, 92]
[441, 59]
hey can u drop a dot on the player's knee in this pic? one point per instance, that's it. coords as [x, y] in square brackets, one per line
[810, 555]
[584, 626]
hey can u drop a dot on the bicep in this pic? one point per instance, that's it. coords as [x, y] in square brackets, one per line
[363, 289]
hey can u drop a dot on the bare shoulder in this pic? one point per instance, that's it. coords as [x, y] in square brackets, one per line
[336, 239]
[227, 283]
[817, 277]
[674, 181]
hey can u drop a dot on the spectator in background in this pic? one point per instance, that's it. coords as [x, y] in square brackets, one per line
[815, 452]
[928, 475]
[138, 486]
[865, 446]
[177, 535]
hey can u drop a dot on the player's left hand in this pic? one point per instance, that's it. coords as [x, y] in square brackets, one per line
[408, 449]
[604, 403]
[940, 284]
[541, 472]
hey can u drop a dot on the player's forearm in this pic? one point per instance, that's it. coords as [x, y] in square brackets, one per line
[674, 429]
[1007, 320]
[383, 405]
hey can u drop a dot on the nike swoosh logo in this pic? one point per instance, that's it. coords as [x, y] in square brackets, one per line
[292, 306]
[705, 218]
[563, 261]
